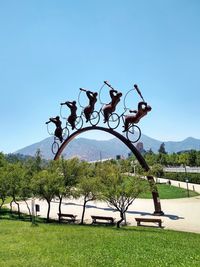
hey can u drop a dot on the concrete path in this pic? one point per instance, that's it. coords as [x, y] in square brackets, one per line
[179, 214]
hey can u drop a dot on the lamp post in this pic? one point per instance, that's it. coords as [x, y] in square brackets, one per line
[188, 193]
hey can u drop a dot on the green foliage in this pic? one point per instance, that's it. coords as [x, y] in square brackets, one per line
[157, 170]
[161, 149]
[72, 245]
[187, 158]
[120, 191]
[181, 176]
[4, 186]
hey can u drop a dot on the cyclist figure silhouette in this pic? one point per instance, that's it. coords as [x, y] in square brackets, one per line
[115, 99]
[143, 109]
[58, 130]
[92, 96]
[72, 117]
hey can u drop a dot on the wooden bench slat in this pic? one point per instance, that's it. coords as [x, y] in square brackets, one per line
[67, 217]
[153, 220]
[102, 218]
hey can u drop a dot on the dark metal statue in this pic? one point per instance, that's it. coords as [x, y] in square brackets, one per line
[115, 99]
[72, 117]
[143, 109]
[92, 96]
[58, 130]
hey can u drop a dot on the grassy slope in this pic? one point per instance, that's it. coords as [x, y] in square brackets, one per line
[74, 245]
[169, 192]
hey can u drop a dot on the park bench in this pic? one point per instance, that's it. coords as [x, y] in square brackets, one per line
[67, 217]
[102, 219]
[153, 220]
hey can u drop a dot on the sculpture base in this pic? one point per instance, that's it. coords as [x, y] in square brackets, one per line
[158, 213]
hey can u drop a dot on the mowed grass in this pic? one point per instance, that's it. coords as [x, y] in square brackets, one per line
[169, 192]
[74, 245]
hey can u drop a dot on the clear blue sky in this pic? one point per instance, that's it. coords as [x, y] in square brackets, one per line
[49, 49]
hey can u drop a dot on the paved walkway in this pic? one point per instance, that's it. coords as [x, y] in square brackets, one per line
[180, 214]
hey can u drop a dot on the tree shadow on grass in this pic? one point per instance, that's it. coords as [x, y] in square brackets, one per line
[141, 213]
[6, 214]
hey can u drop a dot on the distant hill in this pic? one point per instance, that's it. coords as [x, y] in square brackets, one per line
[88, 149]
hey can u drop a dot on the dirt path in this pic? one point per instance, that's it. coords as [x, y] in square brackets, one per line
[179, 214]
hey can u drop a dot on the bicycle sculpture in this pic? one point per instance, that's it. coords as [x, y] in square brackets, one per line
[92, 116]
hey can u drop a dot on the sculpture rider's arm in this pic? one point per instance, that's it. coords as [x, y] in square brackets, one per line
[133, 111]
[89, 94]
[69, 104]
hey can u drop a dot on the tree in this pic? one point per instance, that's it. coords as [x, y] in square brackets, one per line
[88, 186]
[45, 186]
[120, 191]
[161, 149]
[192, 158]
[3, 186]
[157, 170]
[14, 174]
[68, 175]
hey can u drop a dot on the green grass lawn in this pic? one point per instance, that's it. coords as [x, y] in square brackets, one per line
[74, 245]
[169, 192]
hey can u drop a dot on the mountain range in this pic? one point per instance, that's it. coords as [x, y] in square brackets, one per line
[91, 150]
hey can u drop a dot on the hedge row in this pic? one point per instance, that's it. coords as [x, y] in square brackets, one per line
[180, 176]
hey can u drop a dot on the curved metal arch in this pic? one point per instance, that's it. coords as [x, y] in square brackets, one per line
[137, 154]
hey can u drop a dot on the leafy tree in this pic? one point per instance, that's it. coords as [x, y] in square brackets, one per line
[192, 158]
[120, 191]
[157, 170]
[45, 186]
[14, 174]
[3, 186]
[69, 172]
[161, 149]
[88, 186]
[3, 161]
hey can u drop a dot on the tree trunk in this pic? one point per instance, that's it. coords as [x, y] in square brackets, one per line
[59, 207]
[2, 202]
[121, 220]
[18, 209]
[83, 213]
[11, 202]
[29, 211]
[48, 211]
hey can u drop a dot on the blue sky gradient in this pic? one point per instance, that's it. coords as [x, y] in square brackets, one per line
[49, 49]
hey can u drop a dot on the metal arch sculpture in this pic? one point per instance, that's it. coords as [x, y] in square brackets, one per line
[128, 143]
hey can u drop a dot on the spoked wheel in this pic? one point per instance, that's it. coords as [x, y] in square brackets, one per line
[65, 133]
[54, 147]
[79, 123]
[94, 118]
[50, 129]
[133, 134]
[113, 121]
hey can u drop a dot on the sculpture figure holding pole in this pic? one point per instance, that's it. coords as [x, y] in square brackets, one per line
[73, 116]
[143, 109]
[88, 110]
[58, 130]
[115, 99]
